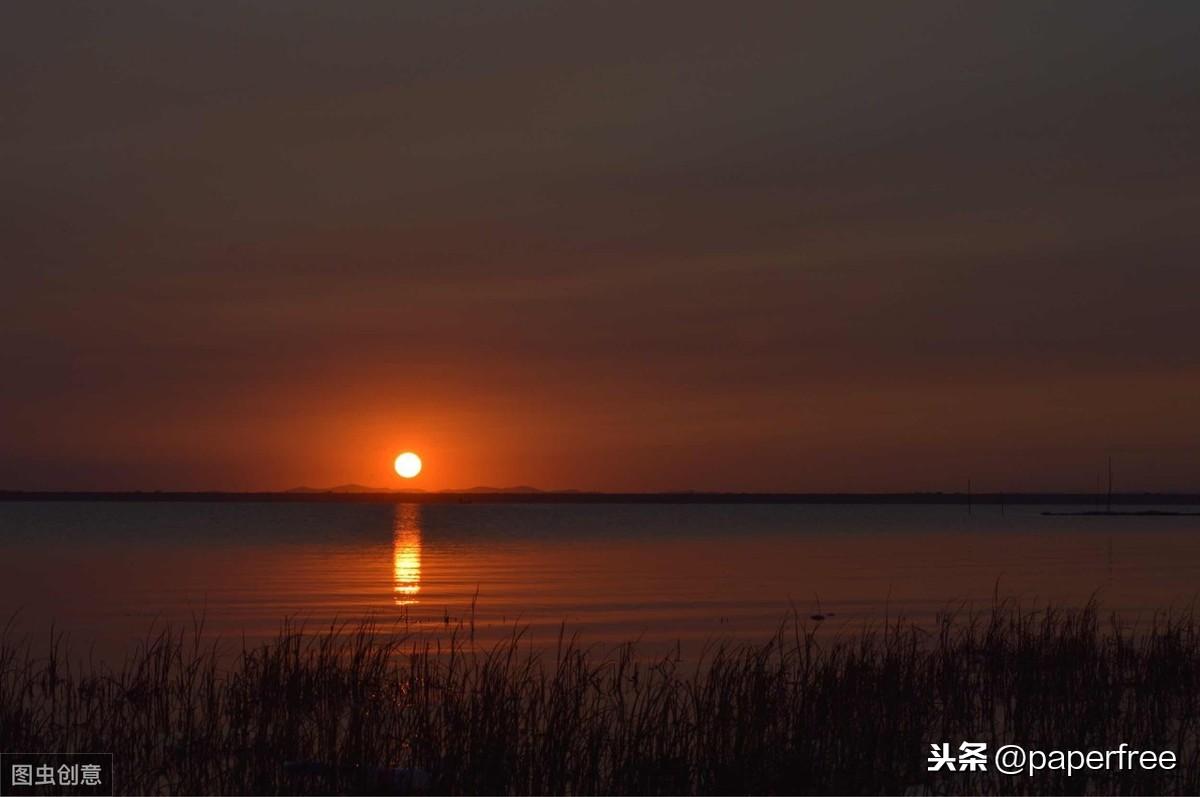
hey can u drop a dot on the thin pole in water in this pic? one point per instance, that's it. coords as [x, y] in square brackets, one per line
[1108, 503]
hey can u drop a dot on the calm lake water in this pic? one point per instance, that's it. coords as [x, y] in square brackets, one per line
[104, 572]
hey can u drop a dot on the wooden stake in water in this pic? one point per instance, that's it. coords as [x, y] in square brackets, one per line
[1108, 502]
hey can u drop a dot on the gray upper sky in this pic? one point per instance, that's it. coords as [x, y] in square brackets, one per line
[617, 246]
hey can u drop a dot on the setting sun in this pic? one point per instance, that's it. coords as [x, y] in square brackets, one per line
[408, 465]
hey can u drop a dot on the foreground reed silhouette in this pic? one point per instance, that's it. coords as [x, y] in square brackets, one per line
[353, 710]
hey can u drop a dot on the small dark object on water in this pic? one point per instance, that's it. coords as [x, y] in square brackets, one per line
[819, 617]
[1110, 513]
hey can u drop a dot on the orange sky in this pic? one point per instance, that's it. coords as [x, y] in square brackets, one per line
[600, 247]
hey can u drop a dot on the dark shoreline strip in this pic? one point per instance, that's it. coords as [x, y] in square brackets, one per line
[1127, 499]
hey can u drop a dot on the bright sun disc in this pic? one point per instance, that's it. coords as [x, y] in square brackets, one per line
[408, 464]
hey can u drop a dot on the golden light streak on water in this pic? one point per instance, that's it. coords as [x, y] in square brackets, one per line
[406, 554]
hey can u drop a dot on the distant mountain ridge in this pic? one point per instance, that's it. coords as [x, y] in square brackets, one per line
[362, 488]
[520, 488]
[351, 488]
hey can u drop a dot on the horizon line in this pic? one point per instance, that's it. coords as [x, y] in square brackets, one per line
[534, 495]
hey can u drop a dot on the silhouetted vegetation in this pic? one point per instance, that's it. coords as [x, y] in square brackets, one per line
[809, 711]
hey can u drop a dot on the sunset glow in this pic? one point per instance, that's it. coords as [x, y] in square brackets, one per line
[851, 289]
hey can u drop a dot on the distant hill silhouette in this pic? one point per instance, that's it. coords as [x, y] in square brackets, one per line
[362, 488]
[353, 488]
[520, 488]
[351, 493]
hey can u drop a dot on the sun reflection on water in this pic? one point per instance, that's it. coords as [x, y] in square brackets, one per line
[406, 554]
